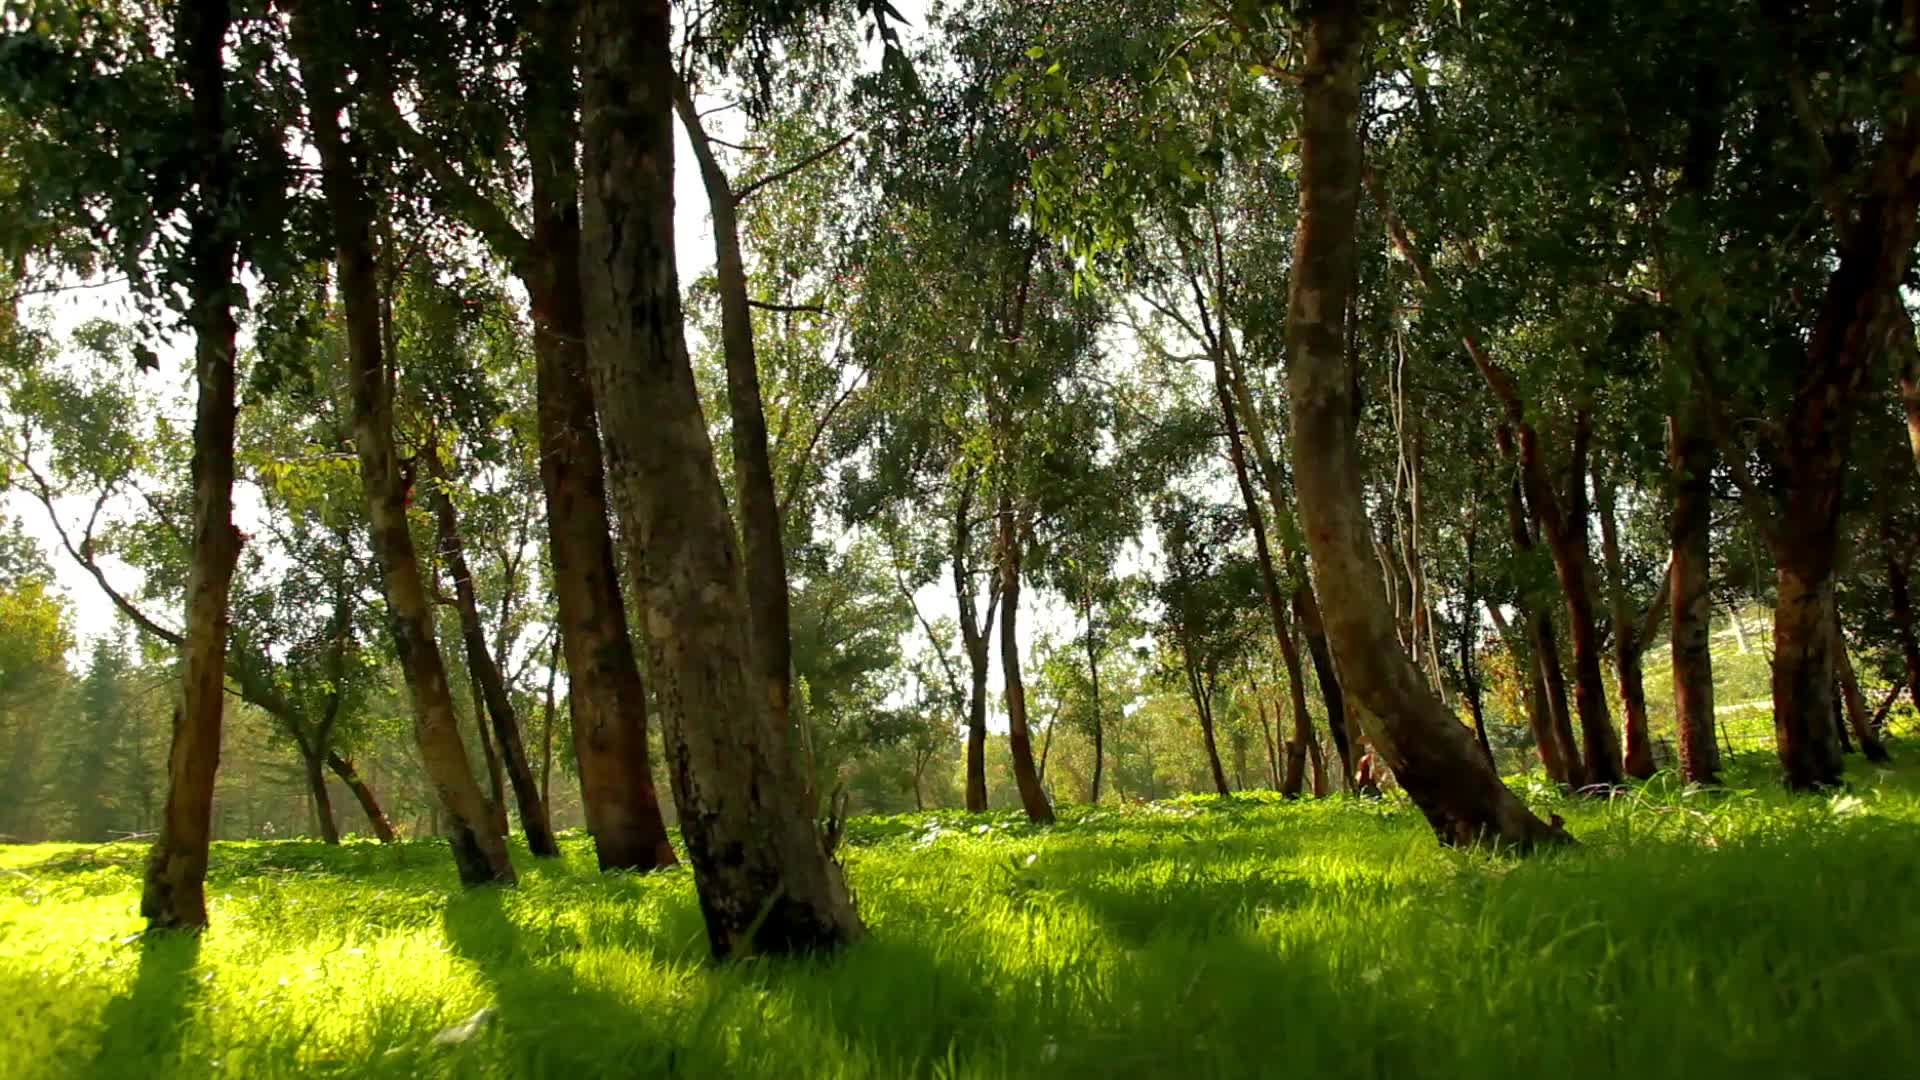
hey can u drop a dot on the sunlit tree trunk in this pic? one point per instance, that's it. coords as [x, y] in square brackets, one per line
[1430, 752]
[174, 896]
[362, 794]
[1019, 739]
[765, 879]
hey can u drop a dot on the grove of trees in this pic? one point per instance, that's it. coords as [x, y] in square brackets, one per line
[1084, 402]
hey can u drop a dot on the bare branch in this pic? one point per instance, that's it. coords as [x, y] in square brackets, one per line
[778, 175]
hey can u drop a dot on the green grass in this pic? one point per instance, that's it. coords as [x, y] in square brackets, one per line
[1691, 935]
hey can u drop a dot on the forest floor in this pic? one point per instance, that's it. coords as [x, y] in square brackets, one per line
[1699, 935]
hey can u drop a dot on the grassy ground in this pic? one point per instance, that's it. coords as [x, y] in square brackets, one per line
[1690, 935]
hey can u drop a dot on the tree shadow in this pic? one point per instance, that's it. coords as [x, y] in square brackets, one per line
[143, 1029]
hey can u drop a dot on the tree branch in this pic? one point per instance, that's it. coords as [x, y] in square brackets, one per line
[778, 175]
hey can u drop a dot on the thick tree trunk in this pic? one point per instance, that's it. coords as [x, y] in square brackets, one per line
[1857, 716]
[1627, 644]
[765, 879]
[370, 806]
[490, 686]
[1690, 455]
[1848, 335]
[1430, 752]
[1019, 739]
[607, 700]
[1270, 585]
[315, 768]
[479, 849]
[174, 895]
[758, 505]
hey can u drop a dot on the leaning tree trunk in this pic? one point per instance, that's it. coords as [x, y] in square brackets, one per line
[759, 506]
[315, 768]
[1430, 752]
[490, 687]
[1019, 739]
[1306, 608]
[1202, 696]
[370, 806]
[174, 895]
[1525, 666]
[1270, 585]
[1857, 715]
[607, 700]
[1552, 731]
[496, 778]
[765, 878]
[479, 849]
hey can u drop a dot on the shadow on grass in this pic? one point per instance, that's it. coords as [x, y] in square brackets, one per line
[142, 1030]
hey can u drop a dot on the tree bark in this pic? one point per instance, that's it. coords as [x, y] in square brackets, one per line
[479, 850]
[1431, 753]
[1019, 739]
[546, 730]
[1270, 585]
[759, 505]
[1200, 689]
[370, 806]
[1856, 705]
[1627, 644]
[766, 881]
[974, 632]
[1306, 608]
[1690, 455]
[606, 697]
[1470, 636]
[496, 778]
[174, 894]
[1552, 729]
[1848, 334]
[1099, 725]
[316, 773]
[490, 686]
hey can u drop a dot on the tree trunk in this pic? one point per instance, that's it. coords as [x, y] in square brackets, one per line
[1539, 717]
[1849, 334]
[1266, 732]
[1739, 627]
[1093, 672]
[1306, 608]
[755, 498]
[546, 731]
[1430, 752]
[316, 773]
[974, 632]
[1690, 455]
[1470, 638]
[1857, 715]
[1202, 694]
[1019, 740]
[370, 806]
[174, 894]
[607, 701]
[1270, 585]
[1899, 583]
[496, 779]
[490, 685]
[479, 849]
[1627, 645]
[1552, 730]
[765, 879]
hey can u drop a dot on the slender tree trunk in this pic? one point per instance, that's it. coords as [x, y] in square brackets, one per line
[1690, 456]
[363, 794]
[1430, 752]
[490, 686]
[1270, 585]
[1306, 608]
[479, 849]
[1856, 704]
[1899, 583]
[1093, 672]
[546, 731]
[1202, 694]
[316, 772]
[1739, 627]
[758, 504]
[1470, 638]
[496, 779]
[1627, 644]
[174, 895]
[1552, 730]
[766, 881]
[1266, 731]
[974, 632]
[607, 701]
[1539, 716]
[1019, 740]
